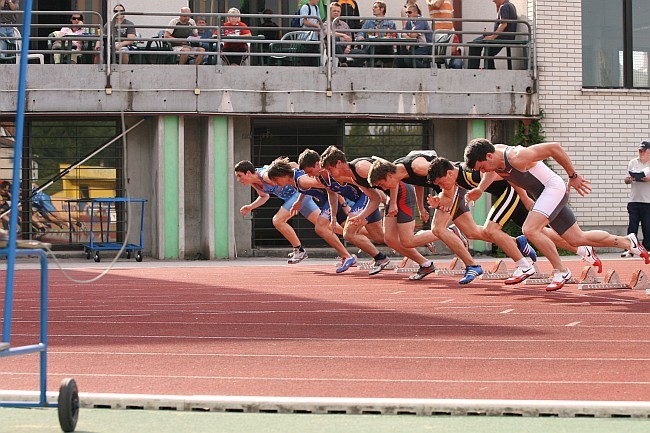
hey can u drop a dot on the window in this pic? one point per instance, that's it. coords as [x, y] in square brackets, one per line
[615, 44]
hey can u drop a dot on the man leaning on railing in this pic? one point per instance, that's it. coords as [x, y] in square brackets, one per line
[421, 32]
[502, 31]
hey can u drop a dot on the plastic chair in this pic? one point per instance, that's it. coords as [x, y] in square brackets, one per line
[16, 44]
[442, 52]
[168, 58]
[281, 52]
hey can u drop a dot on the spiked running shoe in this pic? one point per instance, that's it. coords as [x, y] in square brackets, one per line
[589, 255]
[423, 272]
[637, 248]
[455, 230]
[378, 265]
[559, 280]
[525, 248]
[471, 272]
[627, 254]
[298, 256]
[347, 263]
[520, 274]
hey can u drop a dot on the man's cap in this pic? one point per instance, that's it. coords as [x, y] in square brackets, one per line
[645, 145]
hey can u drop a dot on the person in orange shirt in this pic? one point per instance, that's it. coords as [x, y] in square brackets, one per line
[441, 9]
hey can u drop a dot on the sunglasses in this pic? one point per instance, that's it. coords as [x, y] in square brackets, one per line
[118, 10]
[75, 19]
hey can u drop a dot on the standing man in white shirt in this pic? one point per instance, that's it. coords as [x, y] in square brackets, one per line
[638, 208]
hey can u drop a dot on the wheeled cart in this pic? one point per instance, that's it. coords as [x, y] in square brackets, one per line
[104, 228]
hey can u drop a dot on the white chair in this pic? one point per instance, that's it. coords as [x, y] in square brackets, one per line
[31, 56]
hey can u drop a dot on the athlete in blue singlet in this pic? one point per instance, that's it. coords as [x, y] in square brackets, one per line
[247, 174]
[284, 174]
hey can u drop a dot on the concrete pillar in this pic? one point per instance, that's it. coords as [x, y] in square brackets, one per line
[478, 129]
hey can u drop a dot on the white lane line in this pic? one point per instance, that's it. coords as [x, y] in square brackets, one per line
[331, 379]
[507, 311]
[363, 357]
[573, 323]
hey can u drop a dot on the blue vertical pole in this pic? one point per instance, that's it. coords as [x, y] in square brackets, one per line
[18, 150]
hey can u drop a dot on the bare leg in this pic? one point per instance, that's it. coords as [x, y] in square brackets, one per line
[280, 222]
[441, 221]
[392, 234]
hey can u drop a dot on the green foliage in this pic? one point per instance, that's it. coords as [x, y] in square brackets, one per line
[530, 132]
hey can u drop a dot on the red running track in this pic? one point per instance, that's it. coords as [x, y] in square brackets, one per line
[268, 329]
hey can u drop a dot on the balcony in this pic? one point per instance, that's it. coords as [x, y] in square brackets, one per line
[272, 82]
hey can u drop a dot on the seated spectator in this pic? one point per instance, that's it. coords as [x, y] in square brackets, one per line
[403, 13]
[421, 31]
[124, 34]
[502, 31]
[75, 28]
[7, 23]
[183, 27]
[370, 30]
[272, 31]
[341, 33]
[234, 27]
[204, 33]
[349, 9]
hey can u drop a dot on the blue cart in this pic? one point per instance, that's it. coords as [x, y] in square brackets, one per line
[101, 208]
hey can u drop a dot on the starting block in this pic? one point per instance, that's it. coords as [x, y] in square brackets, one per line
[455, 268]
[406, 266]
[545, 279]
[4, 346]
[639, 281]
[364, 266]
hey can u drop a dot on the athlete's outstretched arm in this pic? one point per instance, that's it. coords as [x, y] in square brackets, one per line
[262, 198]
[484, 184]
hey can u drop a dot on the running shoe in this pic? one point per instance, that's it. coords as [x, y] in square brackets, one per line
[455, 230]
[471, 272]
[378, 265]
[637, 249]
[423, 272]
[520, 274]
[589, 255]
[627, 254]
[297, 257]
[525, 248]
[347, 263]
[559, 280]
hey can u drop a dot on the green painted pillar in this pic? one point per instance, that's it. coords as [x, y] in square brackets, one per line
[170, 190]
[221, 192]
[478, 129]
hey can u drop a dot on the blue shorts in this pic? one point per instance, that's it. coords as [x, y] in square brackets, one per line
[308, 205]
[341, 216]
[360, 205]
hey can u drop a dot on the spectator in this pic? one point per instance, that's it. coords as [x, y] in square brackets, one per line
[204, 33]
[505, 11]
[184, 27]
[7, 23]
[272, 31]
[443, 10]
[234, 27]
[370, 30]
[322, 7]
[419, 30]
[350, 8]
[403, 13]
[124, 34]
[76, 21]
[638, 208]
[341, 32]
[310, 9]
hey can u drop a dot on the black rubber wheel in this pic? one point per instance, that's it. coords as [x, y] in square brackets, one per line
[128, 254]
[87, 254]
[138, 256]
[96, 257]
[68, 405]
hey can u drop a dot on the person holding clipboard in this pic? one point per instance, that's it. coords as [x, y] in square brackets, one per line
[638, 208]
